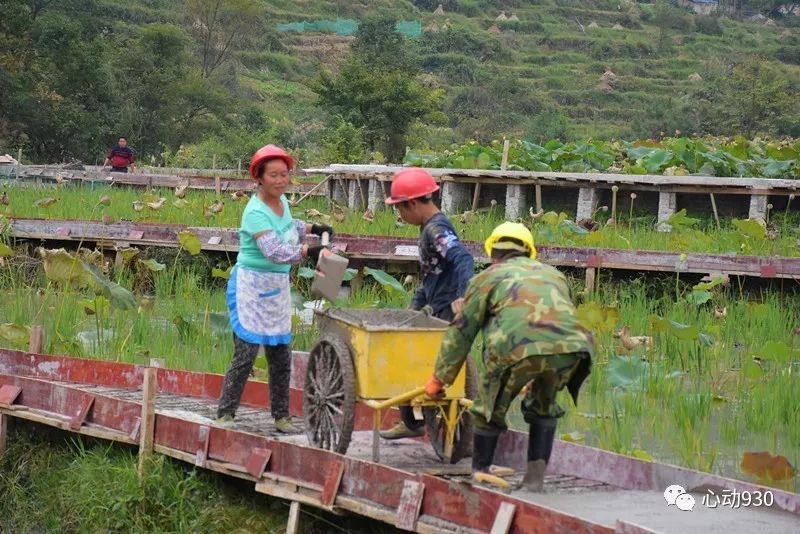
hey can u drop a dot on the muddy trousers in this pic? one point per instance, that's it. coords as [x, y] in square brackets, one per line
[545, 376]
[279, 365]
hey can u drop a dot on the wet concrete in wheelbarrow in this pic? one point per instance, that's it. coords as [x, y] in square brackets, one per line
[590, 500]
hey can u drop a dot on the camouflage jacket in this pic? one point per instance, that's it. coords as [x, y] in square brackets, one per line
[523, 308]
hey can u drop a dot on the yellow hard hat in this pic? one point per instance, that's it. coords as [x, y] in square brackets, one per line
[515, 231]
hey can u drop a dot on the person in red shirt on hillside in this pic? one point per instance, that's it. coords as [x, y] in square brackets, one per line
[121, 157]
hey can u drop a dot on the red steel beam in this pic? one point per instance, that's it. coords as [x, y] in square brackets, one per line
[384, 248]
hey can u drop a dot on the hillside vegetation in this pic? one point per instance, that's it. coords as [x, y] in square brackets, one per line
[187, 80]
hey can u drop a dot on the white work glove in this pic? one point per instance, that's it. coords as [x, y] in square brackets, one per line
[457, 306]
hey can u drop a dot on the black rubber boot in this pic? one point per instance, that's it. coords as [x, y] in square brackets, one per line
[541, 436]
[483, 446]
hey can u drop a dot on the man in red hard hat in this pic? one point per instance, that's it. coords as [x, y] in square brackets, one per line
[446, 266]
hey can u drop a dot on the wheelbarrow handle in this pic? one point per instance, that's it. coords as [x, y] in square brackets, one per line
[403, 398]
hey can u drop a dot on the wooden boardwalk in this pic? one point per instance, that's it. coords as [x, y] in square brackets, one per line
[378, 250]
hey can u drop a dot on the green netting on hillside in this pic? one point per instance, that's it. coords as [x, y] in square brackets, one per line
[409, 28]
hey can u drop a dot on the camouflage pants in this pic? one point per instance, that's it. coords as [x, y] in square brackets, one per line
[547, 375]
[279, 364]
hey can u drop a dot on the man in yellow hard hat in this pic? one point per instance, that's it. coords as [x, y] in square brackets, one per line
[531, 336]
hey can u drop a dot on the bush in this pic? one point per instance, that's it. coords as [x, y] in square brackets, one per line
[430, 5]
[708, 25]
[668, 17]
[344, 144]
[606, 48]
[470, 8]
[462, 41]
[455, 69]
[550, 124]
[789, 54]
[663, 116]
[523, 26]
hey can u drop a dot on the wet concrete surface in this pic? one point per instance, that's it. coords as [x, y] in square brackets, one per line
[649, 509]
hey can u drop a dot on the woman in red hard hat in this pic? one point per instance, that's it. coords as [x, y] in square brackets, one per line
[446, 266]
[258, 289]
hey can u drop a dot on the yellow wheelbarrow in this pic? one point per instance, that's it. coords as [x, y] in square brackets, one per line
[379, 357]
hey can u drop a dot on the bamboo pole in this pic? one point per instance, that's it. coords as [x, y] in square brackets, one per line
[714, 209]
[311, 191]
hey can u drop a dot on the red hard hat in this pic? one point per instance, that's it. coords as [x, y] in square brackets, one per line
[269, 152]
[411, 183]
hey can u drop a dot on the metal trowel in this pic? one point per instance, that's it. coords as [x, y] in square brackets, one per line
[329, 273]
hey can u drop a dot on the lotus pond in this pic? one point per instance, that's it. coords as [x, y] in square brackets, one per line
[696, 375]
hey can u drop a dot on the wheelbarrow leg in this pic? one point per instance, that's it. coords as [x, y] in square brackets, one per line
[376, 436]
[452, 423]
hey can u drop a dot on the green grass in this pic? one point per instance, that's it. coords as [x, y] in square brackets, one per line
[49, 484]
[52, 481]
[82, 202]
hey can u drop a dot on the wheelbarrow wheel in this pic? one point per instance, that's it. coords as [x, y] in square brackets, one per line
[437, 429]
[329, 395]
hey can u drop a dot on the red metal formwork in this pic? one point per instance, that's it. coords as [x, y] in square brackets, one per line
[378, 484]
[380, 487]
[170, 381]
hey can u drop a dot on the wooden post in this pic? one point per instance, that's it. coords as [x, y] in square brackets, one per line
[476, 196]
[614, 190]
[148, 418]
[3, 433]
[292, 526]
[539, 198]
[361, 191]
[119, 260]
[714, 209]
[504, 160]
[376, 436]
[217, 186]
[591, 275]
[36, 339]
[239, 168]
[345, 192]
[19, 156]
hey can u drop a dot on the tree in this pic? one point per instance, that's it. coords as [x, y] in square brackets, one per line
[758, 98]
[219, 28]
[377, 88]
